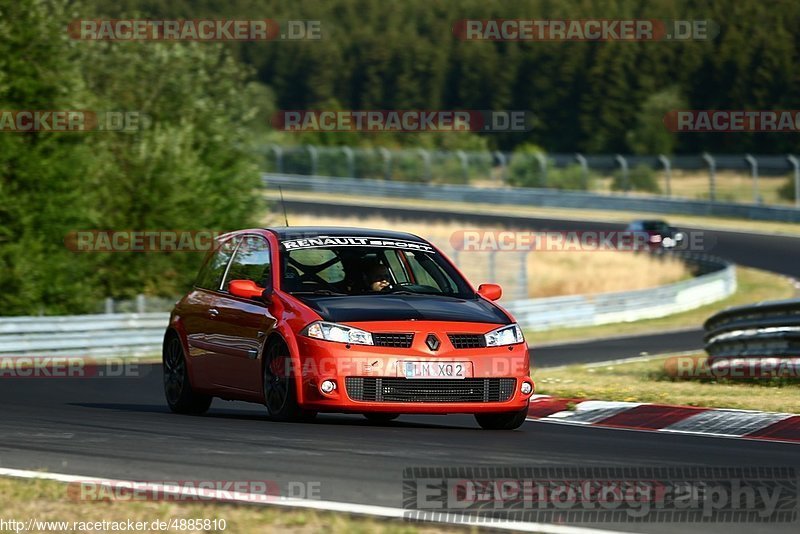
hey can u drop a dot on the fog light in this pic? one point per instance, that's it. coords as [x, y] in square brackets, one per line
[526, 388]
[327, 386]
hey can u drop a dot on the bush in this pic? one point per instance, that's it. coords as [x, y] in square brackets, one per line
[570, 178]
[640, 178]
[786, 191]
[524, 169]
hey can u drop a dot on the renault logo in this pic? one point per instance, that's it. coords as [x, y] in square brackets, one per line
[433, 342]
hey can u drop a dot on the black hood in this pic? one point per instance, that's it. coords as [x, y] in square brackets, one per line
[357, 308]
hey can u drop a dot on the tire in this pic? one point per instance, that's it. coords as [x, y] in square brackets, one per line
[177, 386]
[280, 396]
[501, 421]
[381, 418]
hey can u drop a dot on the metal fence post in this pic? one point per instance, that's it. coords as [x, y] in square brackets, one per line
[585, 168]
[387, 163]
[623, 165]
[140, 303]
[542, 159]
[754, 173]
[278, 158]
[523, 276]
[314, 154]
[712, 176]
[667, 174]
[109, 305]
[351, 162]
[426, 160]
[503, 160]
[796, 164]
[462, 157]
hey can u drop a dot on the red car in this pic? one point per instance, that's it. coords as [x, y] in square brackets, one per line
[308, 320]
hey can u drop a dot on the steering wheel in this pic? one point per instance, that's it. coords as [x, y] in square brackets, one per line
[395, 286]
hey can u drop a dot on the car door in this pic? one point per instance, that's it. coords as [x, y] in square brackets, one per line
[241, 325]
[196, 311]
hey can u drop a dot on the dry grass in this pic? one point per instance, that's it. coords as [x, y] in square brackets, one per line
[575, 273]
[551, 273]
[731, 186]
[648, 381]
[46, 500]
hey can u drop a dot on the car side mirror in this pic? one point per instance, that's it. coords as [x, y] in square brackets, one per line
[247, 289]
[490, 291]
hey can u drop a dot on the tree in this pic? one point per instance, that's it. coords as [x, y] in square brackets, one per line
[650, 135]
[190, 170]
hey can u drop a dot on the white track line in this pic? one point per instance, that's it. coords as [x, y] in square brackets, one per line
[326, 506]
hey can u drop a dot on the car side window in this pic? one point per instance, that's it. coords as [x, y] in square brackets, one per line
[251, 262]
[392, 257]
[210, 275]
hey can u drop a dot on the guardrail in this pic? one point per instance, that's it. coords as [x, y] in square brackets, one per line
[85, 335]
[717, 282]
[527, 197]
[761, 332]
[541, 169]
[142, 333]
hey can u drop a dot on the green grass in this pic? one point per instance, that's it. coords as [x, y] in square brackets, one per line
[753, 286]
[651, 381]
[47, 500]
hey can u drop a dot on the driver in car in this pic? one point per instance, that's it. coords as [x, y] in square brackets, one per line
[378, 277]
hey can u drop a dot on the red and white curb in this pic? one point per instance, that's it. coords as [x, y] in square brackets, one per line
[745, 424]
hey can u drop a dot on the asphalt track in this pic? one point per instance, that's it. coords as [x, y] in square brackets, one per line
[120, 427]
[605, 349]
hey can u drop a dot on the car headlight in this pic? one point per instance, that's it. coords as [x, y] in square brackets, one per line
[338, 332]
[505, 335]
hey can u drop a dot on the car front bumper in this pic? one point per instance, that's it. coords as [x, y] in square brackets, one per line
[372, 379]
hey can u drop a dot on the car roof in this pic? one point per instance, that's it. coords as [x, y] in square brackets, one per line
[299, 232]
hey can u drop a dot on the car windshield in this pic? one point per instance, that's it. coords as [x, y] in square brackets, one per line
[371, 270]
[655, 226]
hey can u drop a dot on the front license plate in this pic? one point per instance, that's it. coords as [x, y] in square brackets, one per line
[434, 369]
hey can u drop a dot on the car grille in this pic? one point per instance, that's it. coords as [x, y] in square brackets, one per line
[391, 389]
[467, 341]
[402, 341]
